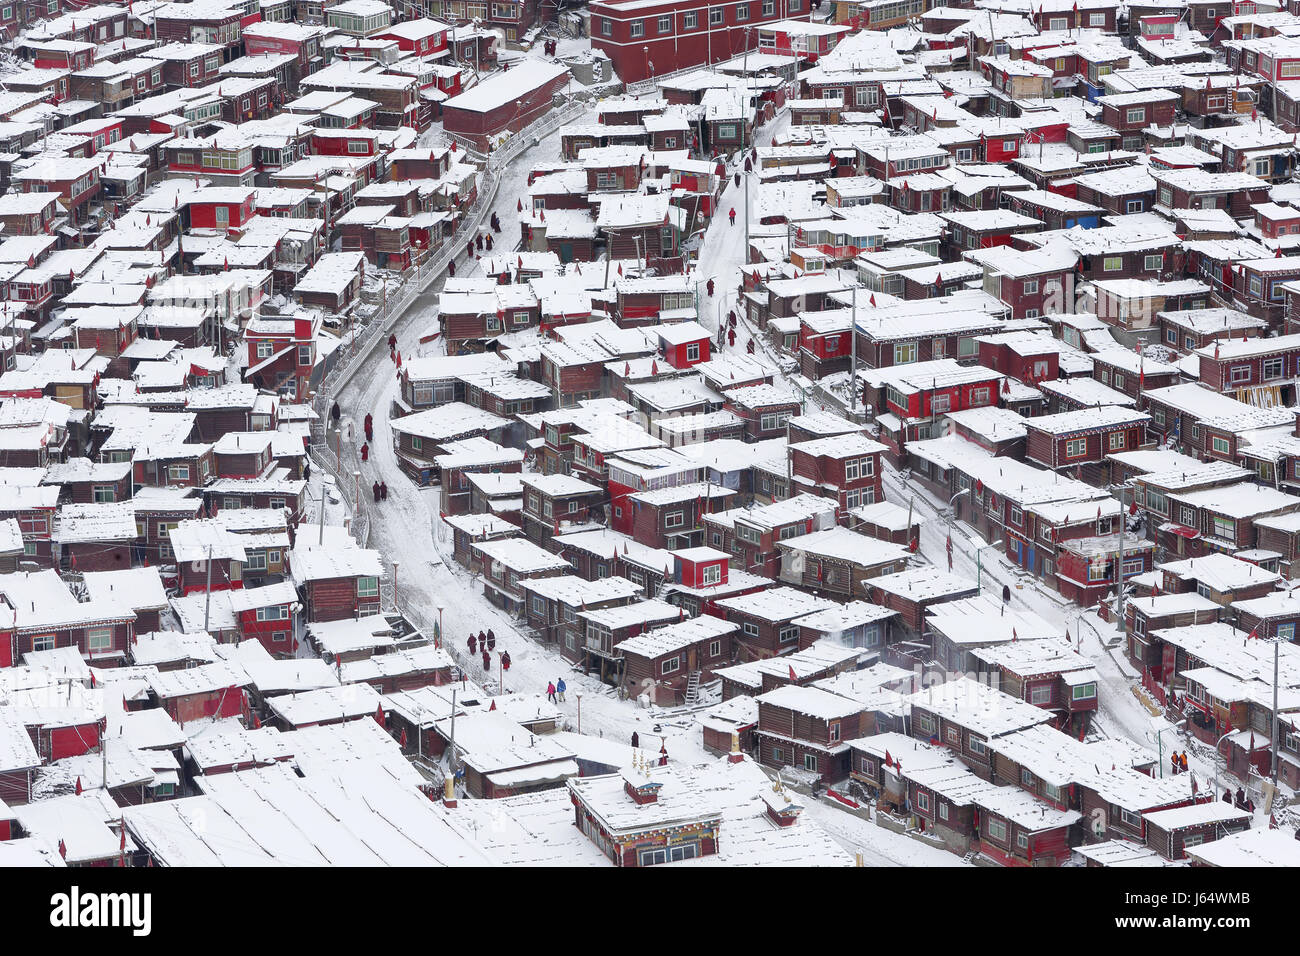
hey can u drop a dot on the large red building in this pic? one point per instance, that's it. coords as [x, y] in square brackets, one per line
[646, 39]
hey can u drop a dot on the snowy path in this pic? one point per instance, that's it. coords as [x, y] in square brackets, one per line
[403, 529]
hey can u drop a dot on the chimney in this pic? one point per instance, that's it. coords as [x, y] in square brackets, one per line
[735, 756]
[449, 792]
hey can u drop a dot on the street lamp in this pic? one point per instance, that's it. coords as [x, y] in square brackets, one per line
[437, 640]
[395, 563]
[356, 476]
[579, 696]
[646, 51]
[980, 546]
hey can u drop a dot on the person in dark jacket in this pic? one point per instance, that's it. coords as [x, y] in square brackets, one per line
[492, 640]
[636, 742]
[365, 452]
[383, 491]
[334, 414]
[451, 270]
[376, 491]
[708, 287]
[306, 469]
[1227, 798]
[487, 660]
[473, 643]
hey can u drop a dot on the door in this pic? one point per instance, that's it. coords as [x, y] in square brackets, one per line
[566, 252]
[692, 660]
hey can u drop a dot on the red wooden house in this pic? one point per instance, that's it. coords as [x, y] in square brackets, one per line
[1081, 440]
[336, 583]
[846, 468]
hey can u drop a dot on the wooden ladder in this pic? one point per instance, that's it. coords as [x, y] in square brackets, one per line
[692, 688]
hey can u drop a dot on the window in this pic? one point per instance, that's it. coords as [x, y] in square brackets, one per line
[711, 574]
[977, 745]
[674, 519]
[810, 762]
[690, 21]
[751, 629]
[1133, 205]
[103, 493]
[1017, 516]
[726, 131]
[1273, 368]
[637, 28]
[1040, 694]
[742, 11]
[671, 665]
[1221, 445]
[607, 27]
[904, 352]
[997, 828]
[715, 648]
[773, 420]
[666, 24]
[43, 642]
[1118, 441]
[1239, 373]
[716, 16]
[789, 633]
[923, 801]
[1112, 263]
[99, 640]
[1137, 115]
[925, 723]
[769, 7]
[1153, 263]
[1225, 528]
[1076, 448]
[1096, 19]
[368, 587]
[1031, 287]
[178, 472]
[943, 810]
[1083, 692]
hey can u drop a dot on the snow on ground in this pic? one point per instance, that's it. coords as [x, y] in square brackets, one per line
[405, 530]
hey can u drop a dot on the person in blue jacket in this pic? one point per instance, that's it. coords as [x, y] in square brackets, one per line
[559, 688]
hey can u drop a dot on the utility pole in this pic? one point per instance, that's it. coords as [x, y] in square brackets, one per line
[853, 346]
[1119, 566]
[1277, 722]
[207, 594]
[744, 119]
[320, 538]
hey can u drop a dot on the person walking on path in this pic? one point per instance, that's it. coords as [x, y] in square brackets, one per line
[709, 287]
[1173, 762]
[636, 740]
[487, 661]
[473, 644]
[365, 452]
[376, 491]
[550, 692]
[1182, 761]
[732, 214]
[334, 414]
[559, 689]
[492, 640]
[383, 491]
